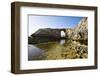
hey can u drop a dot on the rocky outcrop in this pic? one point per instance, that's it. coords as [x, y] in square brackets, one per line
[69, 32]
[80, 32]
[74, 50]
[47, 32]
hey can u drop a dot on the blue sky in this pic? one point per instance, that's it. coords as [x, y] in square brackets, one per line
[40, 21]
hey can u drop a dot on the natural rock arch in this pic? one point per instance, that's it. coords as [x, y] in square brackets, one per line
[62, 33]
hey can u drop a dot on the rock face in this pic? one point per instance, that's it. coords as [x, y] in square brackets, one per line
[69, 32]
[80, 32]
[45, 35]
[47, 32]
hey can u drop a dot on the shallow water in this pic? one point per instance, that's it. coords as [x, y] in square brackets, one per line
[35, 52]
[52, 50]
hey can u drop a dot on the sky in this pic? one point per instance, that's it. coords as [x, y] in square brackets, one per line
[41, 21]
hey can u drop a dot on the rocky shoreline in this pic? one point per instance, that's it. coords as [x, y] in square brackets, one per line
[75, 47]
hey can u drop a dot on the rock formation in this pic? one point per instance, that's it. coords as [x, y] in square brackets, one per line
[47, 32]
[69, 32]
[80, 32]
[74, 47]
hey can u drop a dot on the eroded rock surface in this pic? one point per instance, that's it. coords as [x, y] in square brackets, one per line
[76, 45]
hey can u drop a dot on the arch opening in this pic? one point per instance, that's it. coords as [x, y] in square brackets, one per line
[62, 34]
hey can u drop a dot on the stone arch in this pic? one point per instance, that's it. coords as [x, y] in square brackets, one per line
[62, 33]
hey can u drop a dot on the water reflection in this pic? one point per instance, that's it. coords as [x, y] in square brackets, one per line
[34, 52]
[52, 49]
[37, 51]
[62, 41]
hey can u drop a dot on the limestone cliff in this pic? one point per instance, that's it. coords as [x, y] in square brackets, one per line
[80, 32]
[69, 32]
